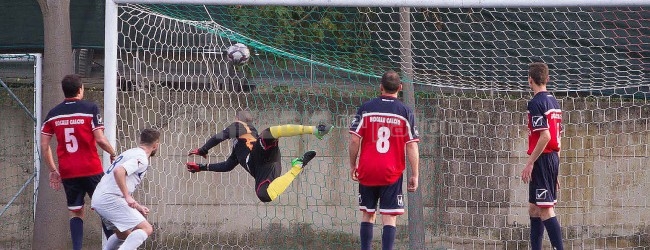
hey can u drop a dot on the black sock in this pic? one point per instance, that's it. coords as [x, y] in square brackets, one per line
[77, 232]
[366, 235]
[536, 233]
[388, 237]
[554, 232]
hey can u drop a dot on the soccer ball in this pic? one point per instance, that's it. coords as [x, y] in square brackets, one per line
[238, 54]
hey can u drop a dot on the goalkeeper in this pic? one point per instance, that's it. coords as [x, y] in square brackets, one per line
[258, 154]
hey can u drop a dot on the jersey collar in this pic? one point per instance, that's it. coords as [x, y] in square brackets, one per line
[388, 97]
[72, 99]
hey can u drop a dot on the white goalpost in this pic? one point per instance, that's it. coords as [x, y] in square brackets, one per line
[464, 66]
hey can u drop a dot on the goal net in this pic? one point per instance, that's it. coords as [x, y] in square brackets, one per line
[19, 157]
[468, 67]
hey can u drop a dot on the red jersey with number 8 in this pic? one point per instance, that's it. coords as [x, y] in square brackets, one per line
[385, 126]
[73, 123]
[544, 113]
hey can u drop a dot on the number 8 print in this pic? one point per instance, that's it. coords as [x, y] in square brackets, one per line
[383, 133]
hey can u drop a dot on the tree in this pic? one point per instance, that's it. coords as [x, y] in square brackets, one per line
[51, 215]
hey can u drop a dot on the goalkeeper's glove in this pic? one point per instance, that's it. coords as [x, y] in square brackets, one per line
[198, 152]
[194, 167]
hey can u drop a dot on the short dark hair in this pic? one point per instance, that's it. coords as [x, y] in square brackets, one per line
[390, 81]
[71, 85]
[149, 136]
[244, 116]
[538, 71]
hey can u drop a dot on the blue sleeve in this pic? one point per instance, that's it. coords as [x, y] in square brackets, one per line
[356, 120]
[414, 128]
[97, 119]
[537, 117]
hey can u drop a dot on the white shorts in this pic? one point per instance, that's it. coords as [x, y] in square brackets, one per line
[116, 213]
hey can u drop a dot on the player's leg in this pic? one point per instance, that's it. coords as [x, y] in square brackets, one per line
[288, 130]
[391, 204]
[551, 164]
[117, 215]
[137, 236]
[280, 184]
[536, 227]
[264, 165]
[91, 184]
[116, 239]
[75, 194]
[114, 242]
[388, 231]
[368, 197]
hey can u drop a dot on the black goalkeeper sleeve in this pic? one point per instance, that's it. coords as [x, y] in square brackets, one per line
[224, 166]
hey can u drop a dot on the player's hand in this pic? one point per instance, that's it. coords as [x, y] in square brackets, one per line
[413, 184]
[131, 202]
[527, 173]
[354, 174]
[196, 151]
[112, 158]
[143, 210]
[55, 180]
[194, 167]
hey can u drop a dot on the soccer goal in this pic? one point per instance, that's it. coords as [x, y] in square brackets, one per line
[465, 63]
[20, 95]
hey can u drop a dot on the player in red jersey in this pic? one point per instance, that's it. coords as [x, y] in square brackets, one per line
[383, 134]
[541, 170]
[78, 128]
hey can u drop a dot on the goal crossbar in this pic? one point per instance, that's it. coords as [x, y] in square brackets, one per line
[407, 3]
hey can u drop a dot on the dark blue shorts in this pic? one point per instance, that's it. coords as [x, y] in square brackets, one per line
[542, 189]
[77, 188]
[390, 198]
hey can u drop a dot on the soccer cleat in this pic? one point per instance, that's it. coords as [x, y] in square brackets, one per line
[322, 130]
[304, 159]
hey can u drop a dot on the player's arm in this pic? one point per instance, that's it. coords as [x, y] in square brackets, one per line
[413, 155]
[353, 151]
[229, 132]
[103, 143]
[544, 138]
[120, 174]
[224, 166]
[46, 150]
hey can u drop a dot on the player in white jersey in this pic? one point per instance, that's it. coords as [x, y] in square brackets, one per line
[112, 199]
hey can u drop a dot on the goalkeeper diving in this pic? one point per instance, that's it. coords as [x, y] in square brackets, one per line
[259, 154]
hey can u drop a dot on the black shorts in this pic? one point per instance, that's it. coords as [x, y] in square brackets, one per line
[77, 188]
[542, 188]
[264, 162]
[391, 200]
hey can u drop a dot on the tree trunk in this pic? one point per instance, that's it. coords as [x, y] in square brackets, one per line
[51, 229]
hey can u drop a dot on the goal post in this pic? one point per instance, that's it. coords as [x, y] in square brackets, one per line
[464, 65]
[20, 95]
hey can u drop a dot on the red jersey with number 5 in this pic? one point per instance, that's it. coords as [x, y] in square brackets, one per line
[385, 126]
[544, 113]
[73, 123]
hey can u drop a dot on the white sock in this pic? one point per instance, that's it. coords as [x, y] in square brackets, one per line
[112, 243]
[135, 239]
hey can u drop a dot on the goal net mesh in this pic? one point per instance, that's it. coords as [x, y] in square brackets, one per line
[17, 160]
[468, 67]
